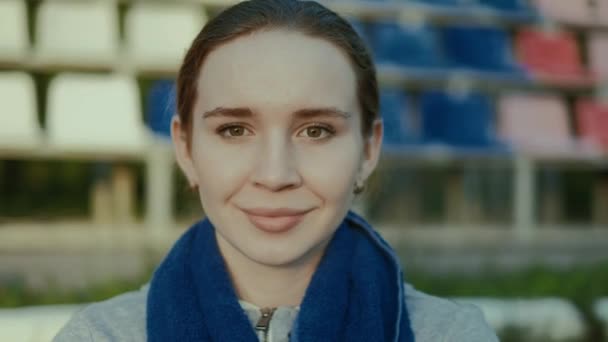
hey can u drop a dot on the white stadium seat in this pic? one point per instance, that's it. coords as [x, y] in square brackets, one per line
[14, 40]
[19, 116]
[34, 323]
[539, 319]
[95, 113]
[600, 310]
[158, 35]
[79, 33]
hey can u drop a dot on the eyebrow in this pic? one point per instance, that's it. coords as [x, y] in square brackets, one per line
[307, 113]
[231, 112]
[310, 113]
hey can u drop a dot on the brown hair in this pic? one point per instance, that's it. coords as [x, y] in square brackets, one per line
[307, 17]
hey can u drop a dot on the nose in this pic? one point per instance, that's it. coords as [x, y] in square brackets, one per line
[276, 166]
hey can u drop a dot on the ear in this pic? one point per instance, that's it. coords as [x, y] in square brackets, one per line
[372, 148]
[182, 151]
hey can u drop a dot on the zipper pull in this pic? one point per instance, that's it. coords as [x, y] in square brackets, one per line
[264, 321]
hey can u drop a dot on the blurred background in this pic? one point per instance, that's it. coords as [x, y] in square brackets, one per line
[493, 184]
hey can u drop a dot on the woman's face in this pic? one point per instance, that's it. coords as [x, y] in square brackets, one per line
[276, 131]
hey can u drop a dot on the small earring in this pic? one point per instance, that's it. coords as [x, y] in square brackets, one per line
[359, 188]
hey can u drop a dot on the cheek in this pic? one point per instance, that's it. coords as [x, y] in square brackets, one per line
[221, 168]
[330, 170]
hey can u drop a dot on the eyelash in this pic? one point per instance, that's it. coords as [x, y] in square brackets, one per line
[224, 128]
[327, 128]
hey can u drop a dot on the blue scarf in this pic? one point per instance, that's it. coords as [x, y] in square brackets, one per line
[356, 293]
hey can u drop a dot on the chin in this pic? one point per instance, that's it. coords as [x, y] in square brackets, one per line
[278, 256]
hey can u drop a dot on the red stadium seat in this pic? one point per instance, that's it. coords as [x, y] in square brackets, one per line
[551, 56]
[592, 121]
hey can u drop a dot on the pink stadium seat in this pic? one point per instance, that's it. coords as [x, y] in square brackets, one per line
[598, 54]
[553, 57]
[592, 121]
[537, 124]
[566, 11]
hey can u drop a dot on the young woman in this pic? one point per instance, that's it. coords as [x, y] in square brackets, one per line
[278, 129]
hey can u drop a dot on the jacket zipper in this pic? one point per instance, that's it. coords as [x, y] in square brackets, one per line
[264, 322]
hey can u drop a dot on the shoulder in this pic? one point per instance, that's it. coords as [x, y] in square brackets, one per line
[441, 319]
[121, 318]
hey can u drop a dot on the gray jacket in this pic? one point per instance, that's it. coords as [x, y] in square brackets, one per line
[123, 318]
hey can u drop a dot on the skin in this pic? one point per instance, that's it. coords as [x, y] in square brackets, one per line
[276, 124]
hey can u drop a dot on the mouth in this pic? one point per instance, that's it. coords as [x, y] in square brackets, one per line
[275, 221]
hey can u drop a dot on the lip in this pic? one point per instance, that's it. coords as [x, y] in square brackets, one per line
[275, 221]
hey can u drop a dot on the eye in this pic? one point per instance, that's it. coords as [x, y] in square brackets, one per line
[318, 132]
[232, 131]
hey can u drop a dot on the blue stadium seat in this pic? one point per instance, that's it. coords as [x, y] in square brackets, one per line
[411, 46]
[160, 107]
[480, 48]
[462, 120]
[394, 110]
[507, 5]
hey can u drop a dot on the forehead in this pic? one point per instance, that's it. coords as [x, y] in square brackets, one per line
[277, 70]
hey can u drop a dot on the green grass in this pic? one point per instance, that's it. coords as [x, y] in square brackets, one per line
[13, 293]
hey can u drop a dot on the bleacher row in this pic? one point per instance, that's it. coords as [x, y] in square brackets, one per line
[89, 112]
[69, 39]
[86, 34]
[536, 124]
[156, 35]
[541, 54]
[80, 106]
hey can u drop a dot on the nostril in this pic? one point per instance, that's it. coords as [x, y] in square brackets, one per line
[276, 171]
[275, 185]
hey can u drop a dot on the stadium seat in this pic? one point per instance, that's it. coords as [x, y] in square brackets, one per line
[592, 121]
[537, 124]
[404, 45]
[480, 48]
[159, 34]
[506, 5]
[160, 107]
[543, 318]
[19, 119]
[598, 54]
[35, 323]
[93, 113]
[81, 33]
[460, 120]
[550, 56]
[14, 41]
[395, 109]
[567, 11]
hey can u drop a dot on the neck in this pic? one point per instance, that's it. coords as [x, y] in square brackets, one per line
[268, 286]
